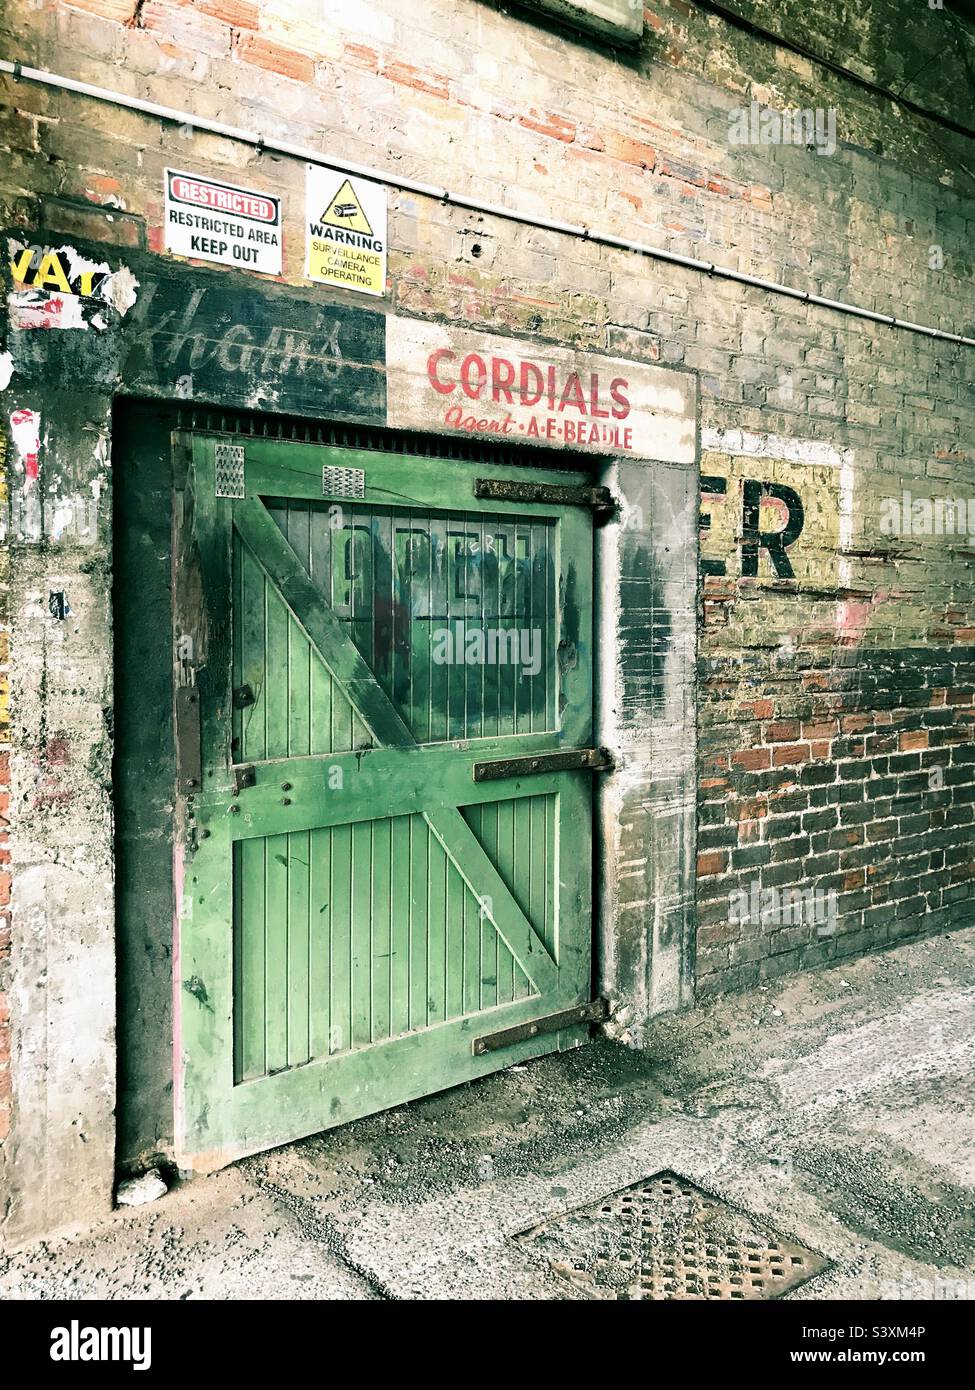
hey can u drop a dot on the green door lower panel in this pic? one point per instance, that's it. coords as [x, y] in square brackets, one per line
[356, 910]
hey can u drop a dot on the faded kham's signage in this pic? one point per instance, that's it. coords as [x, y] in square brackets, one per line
[452, 380]
[207, 220]
[281, 351]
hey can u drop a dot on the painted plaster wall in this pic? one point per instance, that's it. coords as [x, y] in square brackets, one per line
[867, 648]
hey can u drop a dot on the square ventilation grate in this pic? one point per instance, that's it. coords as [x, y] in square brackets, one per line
[664, 1238]
[343, 482]
[229, 468]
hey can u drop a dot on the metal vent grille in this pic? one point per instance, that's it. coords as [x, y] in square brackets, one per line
[343, 482]
[229, 460]
[664, 1238]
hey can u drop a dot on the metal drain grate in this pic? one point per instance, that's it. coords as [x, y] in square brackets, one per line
[666, 1239]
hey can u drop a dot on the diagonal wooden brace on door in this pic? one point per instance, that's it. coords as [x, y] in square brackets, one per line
[327, 635]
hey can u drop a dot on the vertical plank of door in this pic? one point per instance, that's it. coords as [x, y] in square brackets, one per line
[437, 933]
[382, 892]
[401, 879]
[361, 932]
[340, 915]
[276, 930]
[507, 607]
[439, 618]
[251, 618]
[456, 614]
[322, 718]
[381, 654]
[300, 655]
[455, 961]
[522, 683]
[277, 676]
[319, 941]
[483, 821]
[420, 842]
[250, 989]
[299, 948]
[420, 626]
[474, 604]
[491, 617]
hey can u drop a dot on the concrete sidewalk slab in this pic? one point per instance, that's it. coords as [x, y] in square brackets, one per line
[837, 1107]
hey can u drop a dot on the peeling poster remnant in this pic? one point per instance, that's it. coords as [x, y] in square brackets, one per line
[61, 288]
[25, 492]
[25, 431]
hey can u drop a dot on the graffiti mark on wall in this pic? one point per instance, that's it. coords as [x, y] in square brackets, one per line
[784, 448]
[58, 605]
[75, 517]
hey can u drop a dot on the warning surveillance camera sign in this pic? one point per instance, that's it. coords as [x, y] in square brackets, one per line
[345, 230]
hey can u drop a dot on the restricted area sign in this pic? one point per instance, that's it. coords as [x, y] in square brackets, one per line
[346, 231]
[212, 221]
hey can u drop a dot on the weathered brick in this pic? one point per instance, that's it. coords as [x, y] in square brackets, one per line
[549, 124]
[421, 79]
[120, 11]
[239, 14]
[714, 863]
[263, 53]
[752, 759]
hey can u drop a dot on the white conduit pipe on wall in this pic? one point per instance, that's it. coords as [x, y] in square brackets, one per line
[460, 200]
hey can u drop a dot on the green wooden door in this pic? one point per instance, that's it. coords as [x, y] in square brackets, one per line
[355, 631]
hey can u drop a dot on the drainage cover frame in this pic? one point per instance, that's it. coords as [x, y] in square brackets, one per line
[665, 1238]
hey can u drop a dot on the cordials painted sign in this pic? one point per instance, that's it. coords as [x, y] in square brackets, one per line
[568, 410]
[443, 378]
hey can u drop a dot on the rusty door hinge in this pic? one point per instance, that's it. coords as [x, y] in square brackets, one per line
[599, 499]
[534, 764]
[594, 1012]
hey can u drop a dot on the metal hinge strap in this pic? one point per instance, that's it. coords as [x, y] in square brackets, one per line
[594, 1012]
[566, 760]
[189, 749]
[599, 499]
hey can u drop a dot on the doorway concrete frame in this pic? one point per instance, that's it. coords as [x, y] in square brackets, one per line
[236, 342]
